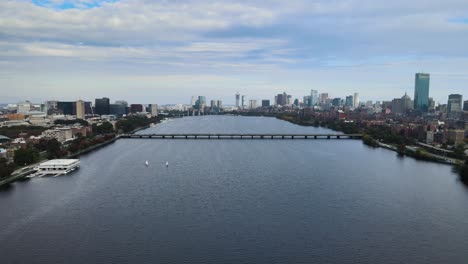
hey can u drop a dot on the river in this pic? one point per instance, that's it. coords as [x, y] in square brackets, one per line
[238, 201]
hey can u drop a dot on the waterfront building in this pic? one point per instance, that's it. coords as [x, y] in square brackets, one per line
[153, 109]
[252, 104]
[200, 104]
[456, 136]
[80, 109]
[102, 106]
[56, 167]
[356, 100]
[243, 102]
[454, 103]
[193, 102]
[265, 103]
[421, 92]
[237, 100]
[219, 104]
[213, 103]
[62, 134]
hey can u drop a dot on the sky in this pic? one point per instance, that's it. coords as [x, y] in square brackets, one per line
[165, 51]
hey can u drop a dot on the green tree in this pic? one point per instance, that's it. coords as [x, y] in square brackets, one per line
[6, 168]
[25, 156]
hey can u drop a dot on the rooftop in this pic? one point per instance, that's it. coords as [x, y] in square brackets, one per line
[59, 162]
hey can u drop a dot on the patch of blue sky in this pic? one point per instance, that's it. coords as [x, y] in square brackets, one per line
[459, 20]
[74, 4]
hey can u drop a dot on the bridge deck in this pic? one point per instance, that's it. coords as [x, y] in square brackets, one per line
[241, 136]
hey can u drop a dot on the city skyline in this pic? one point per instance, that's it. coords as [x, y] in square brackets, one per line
[136, 49]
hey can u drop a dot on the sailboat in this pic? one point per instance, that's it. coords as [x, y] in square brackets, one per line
[146, 163]
[167, 163]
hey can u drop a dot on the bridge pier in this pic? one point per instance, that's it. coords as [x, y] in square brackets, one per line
[282, 137]
[328, 137]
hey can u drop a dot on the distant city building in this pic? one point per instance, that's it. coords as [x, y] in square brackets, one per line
[237, 100]
[61, 134]
[118, 109]
[265, 103]
[454, 103]
[336, 102]
[314, 99]
[200, 104]
[219, 104]
[24, 107]
[349, 101]
[136, 108]
[153, 110]
[431, 104]
[80, 109]
[356, 100]
[213, 104]
[465, 105]
[397, 106]
[253, 104]
[406, 103]
[243, 102]
[67, 108]
[282, 99]
[193, 101]
[456, 136]
[102, 106]
[421, 92]
[323, 98]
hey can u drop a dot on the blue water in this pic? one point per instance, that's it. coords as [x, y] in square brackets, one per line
[238, 201]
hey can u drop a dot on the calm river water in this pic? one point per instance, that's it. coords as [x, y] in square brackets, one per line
[238, 201]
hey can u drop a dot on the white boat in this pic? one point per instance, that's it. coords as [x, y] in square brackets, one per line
[55, 167]
[167, 163]
[146, 163]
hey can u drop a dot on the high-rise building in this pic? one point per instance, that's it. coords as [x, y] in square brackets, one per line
[431, 104]
[24, 107]
[454, 103]
[118, 109]
[252, 104]
[313, 98]
[421, 92]
[213, 103]
[102, 106]
[153, 110]
[356, 100]
[406, 103]
[465, 105]
[265, 103]
[193, 102]
[67, 108]
[349, 101]
[282, 99]
[237, 100]
[243, 102]
[80, 109]
[136, 108]
[336, 102]
[200, 104]
[219, 104]
[323, 98]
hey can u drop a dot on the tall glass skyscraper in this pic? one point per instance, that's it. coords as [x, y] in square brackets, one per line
[421, 92]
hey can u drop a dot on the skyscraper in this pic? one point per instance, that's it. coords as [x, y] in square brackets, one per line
[349, 101]
[252, 104]
[454, 103]
[313, 98]
[323, 98]
[265, 103]
[237, 100]
[465, 105]
[421, 92]
[356, 100]
[243, 102]
[154, 109]
[80, 109]
[102, 106]
[193, 101]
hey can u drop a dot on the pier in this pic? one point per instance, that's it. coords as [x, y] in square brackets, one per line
[241, 136]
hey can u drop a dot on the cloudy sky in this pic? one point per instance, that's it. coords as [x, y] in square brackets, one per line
[165, 51]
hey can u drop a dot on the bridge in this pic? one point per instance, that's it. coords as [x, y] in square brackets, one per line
[241, 136]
